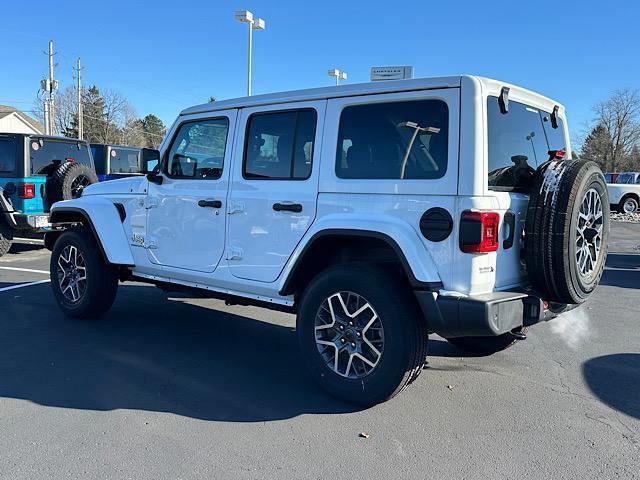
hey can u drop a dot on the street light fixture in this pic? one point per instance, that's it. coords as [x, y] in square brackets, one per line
[245, 16]
[339, 74]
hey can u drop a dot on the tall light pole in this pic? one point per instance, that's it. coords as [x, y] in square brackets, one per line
[245, 16]
[339, 74]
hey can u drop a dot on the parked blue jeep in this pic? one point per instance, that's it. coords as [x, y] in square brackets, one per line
[116, 161]
[35, 172]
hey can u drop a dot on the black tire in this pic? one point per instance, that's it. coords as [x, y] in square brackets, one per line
[553, 217]
[485, 345]
[6, 237]
[405, 335]
[68, 181]
[633, 202]
[101, 282]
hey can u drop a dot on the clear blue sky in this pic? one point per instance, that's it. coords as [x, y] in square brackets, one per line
[164, 56]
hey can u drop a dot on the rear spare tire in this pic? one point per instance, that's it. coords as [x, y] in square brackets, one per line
[566, 230]
[68, 181]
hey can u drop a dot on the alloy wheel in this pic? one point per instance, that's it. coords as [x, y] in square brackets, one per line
[589, 232]
[349, 335]
[72, 274]
[78, 185]
[630, 206]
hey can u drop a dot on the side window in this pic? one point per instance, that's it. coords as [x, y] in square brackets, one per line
[517, 144]
[279, 145]
[197, 151]
[124, 160]
[7, 155]
[398, 140]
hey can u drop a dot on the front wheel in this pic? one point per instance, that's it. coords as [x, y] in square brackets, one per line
[360, 333]
[83, 284]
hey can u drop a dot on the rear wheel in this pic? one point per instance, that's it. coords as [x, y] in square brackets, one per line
[83, 284]
[360, 333]
[629, 205]
[6, 237]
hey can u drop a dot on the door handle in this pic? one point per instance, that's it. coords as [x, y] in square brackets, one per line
[287, 207]
[510, 220]
[210, 203]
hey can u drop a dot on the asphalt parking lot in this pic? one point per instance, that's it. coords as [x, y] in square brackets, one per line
[177, 388]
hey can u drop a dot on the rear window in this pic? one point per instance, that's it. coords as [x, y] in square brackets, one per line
[518, 142]
[396, 140]
[46, 154]
[124, 160]
[8, 155]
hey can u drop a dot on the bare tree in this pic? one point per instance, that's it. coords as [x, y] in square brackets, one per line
[113, 116]
[619, 116]
[132, 130]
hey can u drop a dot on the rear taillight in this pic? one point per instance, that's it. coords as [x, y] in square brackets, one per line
[26, 190]
[479, 232]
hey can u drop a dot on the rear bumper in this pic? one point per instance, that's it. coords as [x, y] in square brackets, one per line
[483, 315]
[32, 222]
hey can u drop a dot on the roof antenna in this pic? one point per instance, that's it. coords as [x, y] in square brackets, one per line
[503, 100]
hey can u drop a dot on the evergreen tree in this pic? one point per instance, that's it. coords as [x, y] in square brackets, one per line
[154, 130]
[597, 147]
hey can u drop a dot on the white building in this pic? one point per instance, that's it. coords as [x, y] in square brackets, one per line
[13, 120]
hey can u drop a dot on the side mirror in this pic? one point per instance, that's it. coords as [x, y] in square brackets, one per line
[150, 160]
[151, 165]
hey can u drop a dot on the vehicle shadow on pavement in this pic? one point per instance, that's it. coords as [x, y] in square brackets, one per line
[615, 380]
[441, 348]
[622, 270]
[153, 354]
[18, 248]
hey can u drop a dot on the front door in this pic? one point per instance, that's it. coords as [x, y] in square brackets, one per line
[186, 213]
[274, 189]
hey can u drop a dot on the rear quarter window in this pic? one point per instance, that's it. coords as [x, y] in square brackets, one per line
[8, 156]
[395, 140]
[124, 160]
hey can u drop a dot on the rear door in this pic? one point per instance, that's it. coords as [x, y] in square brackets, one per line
[517, 145]
[274, 188]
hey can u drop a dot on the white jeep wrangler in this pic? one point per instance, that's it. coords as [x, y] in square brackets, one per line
[378, 213]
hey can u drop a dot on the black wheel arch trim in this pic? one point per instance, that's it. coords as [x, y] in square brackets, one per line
[353, 232]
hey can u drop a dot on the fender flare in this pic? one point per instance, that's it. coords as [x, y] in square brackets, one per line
[416, 260]
[103, 218]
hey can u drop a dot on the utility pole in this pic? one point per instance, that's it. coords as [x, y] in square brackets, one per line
[47, 124]
[79, 87]
[53, 84]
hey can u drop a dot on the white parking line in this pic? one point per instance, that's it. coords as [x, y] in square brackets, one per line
[16, 269]
[13, 287]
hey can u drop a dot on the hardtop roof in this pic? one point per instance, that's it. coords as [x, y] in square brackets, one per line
[347, 90]
[354, 89]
